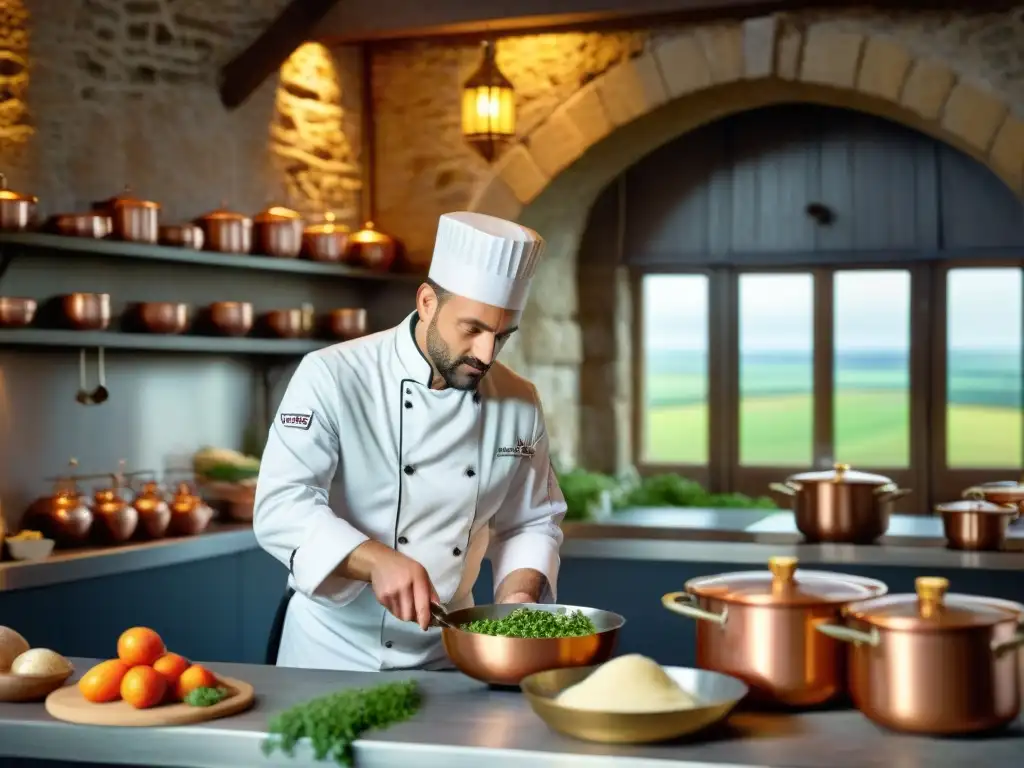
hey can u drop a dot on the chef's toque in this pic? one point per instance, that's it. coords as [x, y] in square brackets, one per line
[485, 258]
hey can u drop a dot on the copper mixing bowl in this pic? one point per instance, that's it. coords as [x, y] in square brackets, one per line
[16, 312]
[507, 660]
[231, 318]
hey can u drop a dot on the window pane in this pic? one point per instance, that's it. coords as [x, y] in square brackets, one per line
[776, 369]
[675, 345]
[871, 333]
[984, 368]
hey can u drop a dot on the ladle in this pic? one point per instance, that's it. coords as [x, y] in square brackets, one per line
[100, 394]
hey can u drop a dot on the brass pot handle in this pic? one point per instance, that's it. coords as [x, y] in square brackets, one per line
[848, 635]
[891, 492]
[1004, 646]
[784, 488]
[684, 604]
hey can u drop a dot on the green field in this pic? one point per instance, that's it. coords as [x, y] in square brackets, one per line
[985, 423]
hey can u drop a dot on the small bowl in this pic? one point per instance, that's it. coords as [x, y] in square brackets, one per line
[29, 549]
[346, 323]
[181, 236]
[231, 318]
[17, 312]
[163, 317]
[22, 688]
[715, 693]
[93, 224]
[286, 323]
[87, 311]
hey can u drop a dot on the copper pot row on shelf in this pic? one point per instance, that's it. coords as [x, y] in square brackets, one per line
[116, 513]
[277, 231]
[92, 312]
[927, 662]
[844, 506]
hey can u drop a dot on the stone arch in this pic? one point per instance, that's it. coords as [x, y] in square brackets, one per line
[551, 178]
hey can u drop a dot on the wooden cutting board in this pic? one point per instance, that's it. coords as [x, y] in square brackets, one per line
[69, 705]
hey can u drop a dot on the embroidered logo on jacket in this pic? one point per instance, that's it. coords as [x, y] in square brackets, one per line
[297, 420]
[522, 449]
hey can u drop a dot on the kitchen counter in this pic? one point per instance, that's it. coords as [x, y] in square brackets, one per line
[463, 724]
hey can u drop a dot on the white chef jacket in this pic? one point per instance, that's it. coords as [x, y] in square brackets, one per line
[361, 447]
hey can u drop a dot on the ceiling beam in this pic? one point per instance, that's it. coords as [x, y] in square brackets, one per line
[357, 21]
[241, 76]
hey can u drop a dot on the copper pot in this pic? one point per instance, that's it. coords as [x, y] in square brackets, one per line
[278, 232]
[87, 311]
[327, 241]
[226, 231]
[1000, 492]
[132, 219]
[182, 236]
[153, 510]
[756, 625]
[17, 312]
[289, 323]
[163, 317]
[372, 249]
[976, 524]
[190, 515]
[114, 519]
[841, 505]
[17, 211]
[94, 225]
[63, 516]
[934, 663]
[231, 318]
[346, 323]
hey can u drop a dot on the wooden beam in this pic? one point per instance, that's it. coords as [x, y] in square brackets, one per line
[241, 76]
[357, 21]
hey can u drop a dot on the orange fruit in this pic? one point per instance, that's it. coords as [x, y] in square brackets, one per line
[194, 677]
[143, 687]
[103, 682]
[140, 646]
[171, 666]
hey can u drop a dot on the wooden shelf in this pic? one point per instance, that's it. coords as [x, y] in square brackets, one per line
[245, 345]
[141, 252]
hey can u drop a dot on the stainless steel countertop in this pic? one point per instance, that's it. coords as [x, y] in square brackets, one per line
[740, 536]
[463, 724]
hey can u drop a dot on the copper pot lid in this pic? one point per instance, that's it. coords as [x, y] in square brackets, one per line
[931, 608]
[977, 505]
[1012, 488]
[10, 194]
[370, 236]
[126, 200]
[223, 214]
[783, 585]
[277, 213]
[842, 474]
[327, 227]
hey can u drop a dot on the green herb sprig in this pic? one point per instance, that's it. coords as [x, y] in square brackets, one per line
[333, 722]
[206, 697]
[529, 622]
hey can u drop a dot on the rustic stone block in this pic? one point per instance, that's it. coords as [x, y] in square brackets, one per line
[974, 115]
[519, 170]
[556, 143]
[587, 112]
[552, 341]
[495, 197]
[883, 69]
[723, 47]
[683, 65]
[788, 50]
[632, 89]
[927, 87]
[831, 57]
[1007, 154]
[759, 46]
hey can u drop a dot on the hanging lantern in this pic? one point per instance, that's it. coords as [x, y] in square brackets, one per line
[488, 107]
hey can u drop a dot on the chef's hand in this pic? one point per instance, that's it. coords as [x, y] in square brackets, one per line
[403, 587]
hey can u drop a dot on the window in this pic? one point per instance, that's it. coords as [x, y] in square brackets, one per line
[675, 381]
[776, 367]
[984, 370]
[871, 367]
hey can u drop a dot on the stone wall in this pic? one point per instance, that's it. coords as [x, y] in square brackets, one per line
[602, 102]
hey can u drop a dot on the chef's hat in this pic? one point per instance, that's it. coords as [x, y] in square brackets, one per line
[485, 258]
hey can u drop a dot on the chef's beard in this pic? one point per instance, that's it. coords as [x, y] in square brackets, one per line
[447, 366]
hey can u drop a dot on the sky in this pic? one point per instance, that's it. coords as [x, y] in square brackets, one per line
[872, 310]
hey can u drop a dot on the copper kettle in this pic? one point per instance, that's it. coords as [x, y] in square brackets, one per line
[64, 515]
[189, 513]
[153, 510]
[114, 518]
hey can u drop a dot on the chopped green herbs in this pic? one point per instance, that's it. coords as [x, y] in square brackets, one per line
[530, 622]
[206, 697]
[333, 722]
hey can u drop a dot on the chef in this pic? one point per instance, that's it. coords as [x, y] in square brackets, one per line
[398, 461]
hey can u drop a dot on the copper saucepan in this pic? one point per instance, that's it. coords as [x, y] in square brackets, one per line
[934, 663]
[757, 626]
[507, 660]
[999, 492]
[976, 524]
[841, 505]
